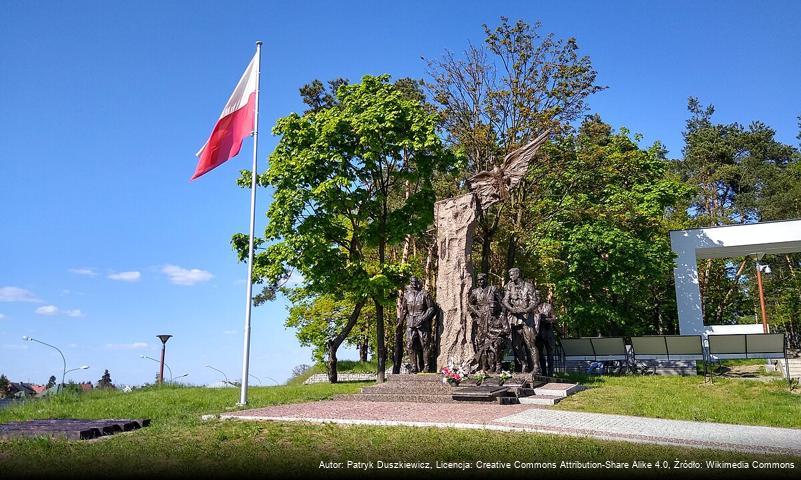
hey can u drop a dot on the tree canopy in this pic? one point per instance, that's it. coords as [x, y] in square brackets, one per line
[334, 212]
[355, 177]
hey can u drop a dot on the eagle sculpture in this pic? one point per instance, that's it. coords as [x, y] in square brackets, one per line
[492, 186]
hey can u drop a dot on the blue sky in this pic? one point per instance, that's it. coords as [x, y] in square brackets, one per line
[105, 103]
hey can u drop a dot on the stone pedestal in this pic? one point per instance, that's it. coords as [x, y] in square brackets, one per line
[455, 221]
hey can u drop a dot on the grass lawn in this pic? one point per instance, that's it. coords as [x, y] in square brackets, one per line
[179, 443]
[749, 402]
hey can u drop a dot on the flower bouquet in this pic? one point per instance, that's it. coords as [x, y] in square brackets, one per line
[479, 377]
[503, 377]
[451, 377]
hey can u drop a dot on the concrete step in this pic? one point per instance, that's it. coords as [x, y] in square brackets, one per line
[794, 365]
[557, 390]
[414, 377]
[410, 387]
[544, 400]
[395, 397]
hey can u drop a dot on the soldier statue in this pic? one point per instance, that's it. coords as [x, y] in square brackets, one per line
[521, 301]
[490, 328]
[417, 310]
[546, 340]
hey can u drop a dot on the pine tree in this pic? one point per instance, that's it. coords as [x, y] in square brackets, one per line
[3, 386]
[105, 380]
[51, 382]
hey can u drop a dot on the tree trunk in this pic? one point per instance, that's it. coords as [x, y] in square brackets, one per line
[382, 348]
[397, 353]
[334, 343]
[428, 269]
[487, 233]
[486, 243]
[511, 252]
[364, 347]
[735, 283]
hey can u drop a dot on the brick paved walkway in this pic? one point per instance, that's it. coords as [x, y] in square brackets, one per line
[531, 419]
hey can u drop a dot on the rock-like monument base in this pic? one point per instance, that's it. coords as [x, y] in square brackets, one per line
[455, 220]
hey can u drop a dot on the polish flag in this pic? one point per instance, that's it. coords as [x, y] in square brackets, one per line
[235, 123]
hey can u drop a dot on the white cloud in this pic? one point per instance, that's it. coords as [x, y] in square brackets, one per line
[183, 276]
[16, 294]
[89, 272]
[48, 310]
[126, 276]
[126, 346]
[51, 310]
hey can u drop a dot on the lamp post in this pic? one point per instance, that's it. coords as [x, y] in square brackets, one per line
[162, 371]
[64, 370]
[163, 339]
[82, 367]
[223, 374]
[179, 376]
[759, 269]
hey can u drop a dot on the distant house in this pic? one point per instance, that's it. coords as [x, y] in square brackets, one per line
[86, 386]
[39, 389]
[21, 389]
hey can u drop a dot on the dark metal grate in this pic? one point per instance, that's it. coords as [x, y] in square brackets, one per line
[70, 428]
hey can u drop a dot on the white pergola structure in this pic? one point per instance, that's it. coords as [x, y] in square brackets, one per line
[722, 242]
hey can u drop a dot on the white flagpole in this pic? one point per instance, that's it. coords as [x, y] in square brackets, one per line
[243, 394]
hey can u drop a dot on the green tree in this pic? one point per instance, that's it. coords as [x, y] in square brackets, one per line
[3, 385]
[602, 241]
[498, 96]
[318, 319]
[51, 382]
[105, 380]
[334, 213]
[317, 97]
[740, 175]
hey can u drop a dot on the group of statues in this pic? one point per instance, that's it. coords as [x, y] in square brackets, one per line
[514, 316]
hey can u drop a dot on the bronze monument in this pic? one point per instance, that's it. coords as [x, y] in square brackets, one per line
[490, 328]
[455, 221]
[417, 310]
[521, 301]
[546, 340]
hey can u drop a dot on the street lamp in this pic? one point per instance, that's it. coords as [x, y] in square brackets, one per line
[179, 376]
[82, 367]
[161, 375]
[64, 370]
[163, 339]
[223, 373]
[760, 268]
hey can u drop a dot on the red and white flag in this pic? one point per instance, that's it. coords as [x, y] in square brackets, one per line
[235, 123]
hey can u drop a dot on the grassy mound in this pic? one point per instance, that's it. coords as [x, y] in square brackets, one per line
[179, 443]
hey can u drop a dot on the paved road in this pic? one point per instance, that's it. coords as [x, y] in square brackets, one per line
[656, 430]
[721, 436]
